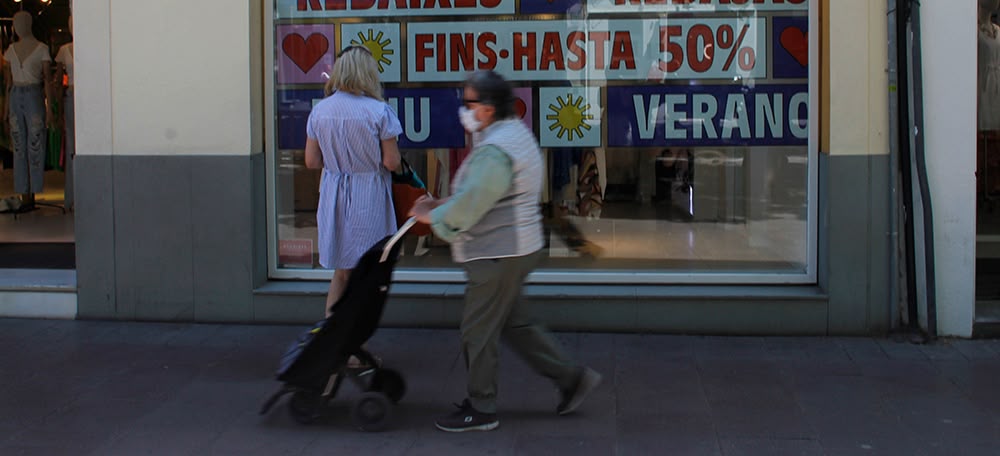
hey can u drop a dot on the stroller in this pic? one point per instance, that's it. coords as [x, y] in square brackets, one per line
[316, 364]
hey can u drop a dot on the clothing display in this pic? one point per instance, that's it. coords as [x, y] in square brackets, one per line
[27, 134]
[28, 70]
[989, 77]
[28, 61]
[590, 193]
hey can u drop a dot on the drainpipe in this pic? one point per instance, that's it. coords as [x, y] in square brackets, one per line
[921, 162]
[902, 17]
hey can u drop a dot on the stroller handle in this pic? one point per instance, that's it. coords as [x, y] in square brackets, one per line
[396, 237]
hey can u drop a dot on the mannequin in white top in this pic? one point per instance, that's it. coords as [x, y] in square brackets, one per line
[988, 100]
[64, 67]
[27, 69]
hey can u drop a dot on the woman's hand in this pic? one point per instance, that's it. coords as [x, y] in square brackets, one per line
[422, 208]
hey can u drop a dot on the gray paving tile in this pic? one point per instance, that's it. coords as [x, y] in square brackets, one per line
[902, 350]
[841, 428]
[873, 446]
[974, 349]
[547, 445]
[665, 444]
[942, 350]
[717, 347]
[353, 442]
[150, 388]
[431, 442]
[771, 447]
[860, 348]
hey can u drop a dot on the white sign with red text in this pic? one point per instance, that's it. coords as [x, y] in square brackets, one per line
[693, 6]
[301, 9]
[617, 49]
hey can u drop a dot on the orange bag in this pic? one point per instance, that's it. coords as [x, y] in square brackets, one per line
[403, 198]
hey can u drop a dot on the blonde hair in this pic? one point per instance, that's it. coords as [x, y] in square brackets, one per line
[355, 71]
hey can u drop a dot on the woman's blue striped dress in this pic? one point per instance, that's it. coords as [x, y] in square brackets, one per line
[355, 190]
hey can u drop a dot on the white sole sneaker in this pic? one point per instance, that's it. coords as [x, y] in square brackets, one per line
[482, 427]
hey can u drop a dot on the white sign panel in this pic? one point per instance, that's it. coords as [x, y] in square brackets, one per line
[384, 43]
[622, 49]
[303, 9]
[693, 6]
[569, 116]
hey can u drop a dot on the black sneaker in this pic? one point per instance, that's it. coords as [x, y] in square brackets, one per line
[571, 399]
[467, 418]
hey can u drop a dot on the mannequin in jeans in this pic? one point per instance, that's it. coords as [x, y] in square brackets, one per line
[28, 65]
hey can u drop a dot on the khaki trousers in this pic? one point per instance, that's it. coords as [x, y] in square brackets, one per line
[493, 308]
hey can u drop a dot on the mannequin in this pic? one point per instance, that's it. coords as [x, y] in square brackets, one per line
[989, 98]
[64, 66]
[27, 66]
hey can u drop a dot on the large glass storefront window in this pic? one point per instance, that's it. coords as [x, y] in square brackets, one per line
[676, 134]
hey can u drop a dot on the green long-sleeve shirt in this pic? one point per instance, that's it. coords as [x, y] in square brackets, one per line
[488, 176]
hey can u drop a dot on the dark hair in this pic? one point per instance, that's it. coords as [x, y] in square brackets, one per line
[493, 90]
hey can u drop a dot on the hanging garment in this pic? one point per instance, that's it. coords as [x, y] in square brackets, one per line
[27, 133]
[590, 197]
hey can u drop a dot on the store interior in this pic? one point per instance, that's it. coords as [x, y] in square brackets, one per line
[689, 210]
[988, 167]
[36, 193]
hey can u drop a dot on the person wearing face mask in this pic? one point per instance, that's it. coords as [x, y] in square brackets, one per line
[494, 225]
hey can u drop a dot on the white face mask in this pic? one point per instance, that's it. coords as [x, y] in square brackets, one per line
[468, 119]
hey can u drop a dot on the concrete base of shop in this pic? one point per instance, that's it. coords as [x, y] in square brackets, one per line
[731, 310]
[38, 293]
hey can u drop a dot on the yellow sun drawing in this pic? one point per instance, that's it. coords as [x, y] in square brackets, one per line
[570, 117]
[380, 49]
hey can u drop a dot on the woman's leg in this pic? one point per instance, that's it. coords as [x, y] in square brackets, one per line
[337, 285]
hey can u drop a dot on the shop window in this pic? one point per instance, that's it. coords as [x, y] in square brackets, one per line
[676, 138]
[36, 139]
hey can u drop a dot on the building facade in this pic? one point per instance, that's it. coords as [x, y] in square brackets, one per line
[712, 167]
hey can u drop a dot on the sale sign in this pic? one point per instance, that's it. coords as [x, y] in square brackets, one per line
[305, 53]
[569, 116]
[429, 117]
[661, 48]
[791, 47]
[708, 115]
[383, 42]
[693, 6]
[301, 9]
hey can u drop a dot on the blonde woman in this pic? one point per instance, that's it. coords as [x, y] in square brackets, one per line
[351, 136]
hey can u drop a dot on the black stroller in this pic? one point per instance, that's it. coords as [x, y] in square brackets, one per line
[314, 367]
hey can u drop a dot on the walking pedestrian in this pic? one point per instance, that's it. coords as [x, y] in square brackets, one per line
[494, 225]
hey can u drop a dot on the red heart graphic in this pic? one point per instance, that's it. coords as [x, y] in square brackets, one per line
[520, 107]
[305, 52]
[796, 42]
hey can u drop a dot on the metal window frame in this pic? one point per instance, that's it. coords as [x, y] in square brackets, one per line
[653, 277]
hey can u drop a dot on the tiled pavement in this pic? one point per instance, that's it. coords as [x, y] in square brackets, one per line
[118, 388]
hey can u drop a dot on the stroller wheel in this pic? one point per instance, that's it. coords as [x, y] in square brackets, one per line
[389, 382]
[304, 407]
[372, 411]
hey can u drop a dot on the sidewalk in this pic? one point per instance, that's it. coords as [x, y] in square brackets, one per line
[119, 388]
